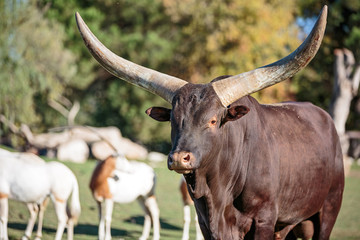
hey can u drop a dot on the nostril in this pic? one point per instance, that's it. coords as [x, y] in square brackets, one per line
[170, 162]
[170, 158]
[187, 157]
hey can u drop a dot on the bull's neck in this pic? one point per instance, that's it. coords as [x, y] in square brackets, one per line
[228, 162]
[222, 181]
[238, 138]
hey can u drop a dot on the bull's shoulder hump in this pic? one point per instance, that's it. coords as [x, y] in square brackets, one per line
[289, 104]
[303, 111]
[293, 106]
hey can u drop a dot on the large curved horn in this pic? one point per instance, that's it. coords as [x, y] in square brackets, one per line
[153, 81]
[235, 87]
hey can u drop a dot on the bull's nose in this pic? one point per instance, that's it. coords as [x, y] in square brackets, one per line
[181, 161]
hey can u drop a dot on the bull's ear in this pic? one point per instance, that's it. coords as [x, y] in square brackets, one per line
[235, 112]
[159, 113]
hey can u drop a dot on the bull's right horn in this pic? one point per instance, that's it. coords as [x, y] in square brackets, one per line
[232, 88]
[158, 83]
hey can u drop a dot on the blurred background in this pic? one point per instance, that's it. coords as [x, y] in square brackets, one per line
[46, 71]
[50, 84]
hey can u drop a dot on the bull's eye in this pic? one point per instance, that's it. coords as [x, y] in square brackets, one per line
[212, 122]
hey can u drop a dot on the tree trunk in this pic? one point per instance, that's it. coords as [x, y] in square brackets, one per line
[346, 85]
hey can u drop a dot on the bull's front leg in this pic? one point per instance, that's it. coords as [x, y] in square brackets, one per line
[264, 229]
[264, 224]
[238, 224]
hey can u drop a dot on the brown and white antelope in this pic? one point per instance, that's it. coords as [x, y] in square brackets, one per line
[27, 178]
[118, 180]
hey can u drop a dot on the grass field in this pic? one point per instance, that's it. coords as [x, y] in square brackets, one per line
[128, 219]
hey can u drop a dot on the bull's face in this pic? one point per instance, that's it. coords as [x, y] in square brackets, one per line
[197, 120]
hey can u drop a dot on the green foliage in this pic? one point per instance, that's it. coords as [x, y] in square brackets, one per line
[33, 62]
[230, 37]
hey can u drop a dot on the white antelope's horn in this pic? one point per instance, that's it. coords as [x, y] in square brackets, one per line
[158, 83]
[232, 88]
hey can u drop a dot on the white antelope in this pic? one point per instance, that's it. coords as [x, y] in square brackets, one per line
[118, 180]
[27, 178]
[187, 201]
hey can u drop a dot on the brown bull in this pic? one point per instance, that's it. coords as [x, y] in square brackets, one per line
[254, 171]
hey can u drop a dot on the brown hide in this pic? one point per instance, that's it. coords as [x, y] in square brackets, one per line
[98, 183]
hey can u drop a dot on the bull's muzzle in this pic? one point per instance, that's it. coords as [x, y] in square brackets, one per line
[181, 162]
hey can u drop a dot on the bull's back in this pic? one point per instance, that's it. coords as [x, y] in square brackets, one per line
[309, 156]
[302, 128]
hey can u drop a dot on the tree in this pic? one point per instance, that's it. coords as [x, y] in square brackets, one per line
[346, 85]
[343, 31]
[35, 66]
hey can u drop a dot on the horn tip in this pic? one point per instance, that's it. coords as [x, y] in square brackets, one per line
[325, 8]
[80, 22]
[77, 17]
[324, 11]
[320, 24]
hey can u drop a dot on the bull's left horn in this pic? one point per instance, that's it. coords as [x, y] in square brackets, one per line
[158, 83]
[235, 87]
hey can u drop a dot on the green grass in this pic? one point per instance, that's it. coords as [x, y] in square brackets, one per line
[348, 223]
[128, 219]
